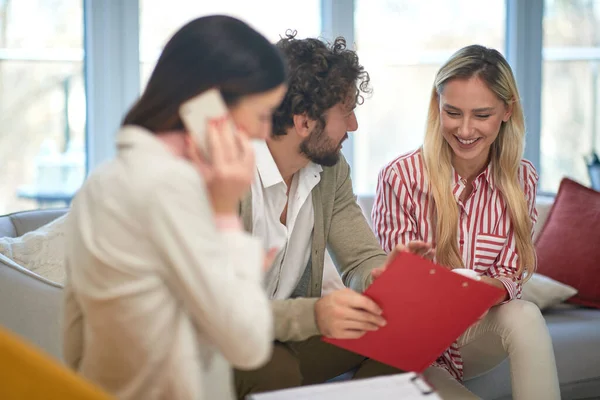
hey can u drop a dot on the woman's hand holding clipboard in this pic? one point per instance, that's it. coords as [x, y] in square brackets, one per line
[417, 247]
[426, 307]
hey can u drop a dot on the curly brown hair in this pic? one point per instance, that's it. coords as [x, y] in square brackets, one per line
[321, 75]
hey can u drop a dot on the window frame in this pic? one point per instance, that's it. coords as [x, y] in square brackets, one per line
[111, 47]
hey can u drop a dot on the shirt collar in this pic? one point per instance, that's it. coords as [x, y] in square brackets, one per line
[486, 175]
[265, 165]
[268, 170]
[489, 175]
[311, 169]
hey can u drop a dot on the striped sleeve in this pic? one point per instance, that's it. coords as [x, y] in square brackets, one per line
[506, 266]
[505, 270]
[392, 220]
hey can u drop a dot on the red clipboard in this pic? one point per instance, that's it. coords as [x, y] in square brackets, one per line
[426, 306]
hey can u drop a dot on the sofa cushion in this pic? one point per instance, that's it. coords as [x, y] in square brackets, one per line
[7, 228]
[41, 251]
[576, 344]
[568, 247]
[30, 305]
[19, 223]
[27, 221]
[545, 292]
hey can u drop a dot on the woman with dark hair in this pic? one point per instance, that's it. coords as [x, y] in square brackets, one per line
[164, 290]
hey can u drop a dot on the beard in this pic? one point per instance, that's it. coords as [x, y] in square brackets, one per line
[321, 149]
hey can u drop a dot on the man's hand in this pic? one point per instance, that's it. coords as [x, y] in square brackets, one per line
[346, 314]
[417, 247]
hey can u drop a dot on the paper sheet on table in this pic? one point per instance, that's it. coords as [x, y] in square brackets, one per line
[402, 386]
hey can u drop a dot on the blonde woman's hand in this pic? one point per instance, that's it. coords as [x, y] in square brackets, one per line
[417, 247]
[230, 172]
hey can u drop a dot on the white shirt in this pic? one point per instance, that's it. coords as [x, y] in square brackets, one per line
[294, 239]
[158, 301]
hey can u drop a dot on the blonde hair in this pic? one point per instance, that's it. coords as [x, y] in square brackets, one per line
[505, 156]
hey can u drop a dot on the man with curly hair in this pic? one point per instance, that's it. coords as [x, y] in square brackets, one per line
[302, 204]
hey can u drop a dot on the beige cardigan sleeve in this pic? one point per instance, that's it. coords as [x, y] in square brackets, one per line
[353, 244]
[295, 319]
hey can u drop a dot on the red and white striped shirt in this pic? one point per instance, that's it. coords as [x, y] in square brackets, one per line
[402, 213]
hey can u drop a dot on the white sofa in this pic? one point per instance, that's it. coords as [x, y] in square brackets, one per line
[29, 304]
[31, 307]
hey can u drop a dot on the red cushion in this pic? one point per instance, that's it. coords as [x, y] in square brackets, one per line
[568, 247]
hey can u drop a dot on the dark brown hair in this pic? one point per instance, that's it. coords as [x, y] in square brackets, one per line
[209, 52]
[321, 75]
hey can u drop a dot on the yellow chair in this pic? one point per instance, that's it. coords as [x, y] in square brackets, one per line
[27, 373]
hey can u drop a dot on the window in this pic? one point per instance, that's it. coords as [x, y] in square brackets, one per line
[569, 121]
[402, 43]
[42, 102]
[160, 19]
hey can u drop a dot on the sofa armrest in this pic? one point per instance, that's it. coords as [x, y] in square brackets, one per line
[31, 306]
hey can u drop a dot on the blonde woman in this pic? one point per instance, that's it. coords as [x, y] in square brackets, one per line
[469, 194]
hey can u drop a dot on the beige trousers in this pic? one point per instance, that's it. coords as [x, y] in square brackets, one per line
[515, 329]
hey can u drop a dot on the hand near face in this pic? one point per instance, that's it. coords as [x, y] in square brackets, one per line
[230, 172]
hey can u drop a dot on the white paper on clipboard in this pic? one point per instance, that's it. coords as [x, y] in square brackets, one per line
[406, 386]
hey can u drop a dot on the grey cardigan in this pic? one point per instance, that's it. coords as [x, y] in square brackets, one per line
[340, 226]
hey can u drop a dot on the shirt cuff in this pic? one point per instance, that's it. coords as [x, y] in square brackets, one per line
[295, 319]
[511, 287]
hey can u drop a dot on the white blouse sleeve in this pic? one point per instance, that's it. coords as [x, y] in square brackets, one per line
[216, 275]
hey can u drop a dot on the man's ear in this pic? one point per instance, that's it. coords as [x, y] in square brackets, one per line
[303, 125]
